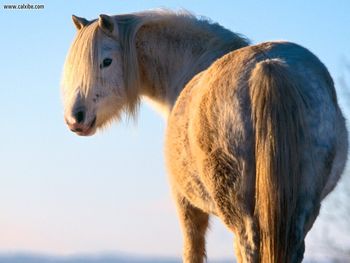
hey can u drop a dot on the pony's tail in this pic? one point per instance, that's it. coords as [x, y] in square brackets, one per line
[277, 116]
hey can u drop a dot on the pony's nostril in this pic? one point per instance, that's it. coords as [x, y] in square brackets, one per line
[79, 116]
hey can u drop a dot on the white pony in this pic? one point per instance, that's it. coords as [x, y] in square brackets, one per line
[255, 135]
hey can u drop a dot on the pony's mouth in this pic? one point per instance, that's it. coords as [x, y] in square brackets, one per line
[85, 130]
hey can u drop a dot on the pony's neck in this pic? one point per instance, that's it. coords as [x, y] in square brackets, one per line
[171, 53]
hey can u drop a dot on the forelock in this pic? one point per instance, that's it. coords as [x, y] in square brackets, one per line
[81, 69]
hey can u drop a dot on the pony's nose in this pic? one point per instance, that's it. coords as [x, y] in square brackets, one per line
[79, 116]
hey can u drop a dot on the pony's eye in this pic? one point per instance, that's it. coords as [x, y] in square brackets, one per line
[106, 62]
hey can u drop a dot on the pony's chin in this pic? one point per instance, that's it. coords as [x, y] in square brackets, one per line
[89, 132]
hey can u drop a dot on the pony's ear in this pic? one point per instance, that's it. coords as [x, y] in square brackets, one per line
[79, 22]
[106, 23]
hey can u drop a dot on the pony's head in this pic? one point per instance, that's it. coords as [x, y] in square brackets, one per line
[93, 85]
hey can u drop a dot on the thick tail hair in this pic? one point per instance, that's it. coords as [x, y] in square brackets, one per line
[277, 115]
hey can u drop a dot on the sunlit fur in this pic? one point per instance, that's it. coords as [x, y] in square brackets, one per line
[254, 134]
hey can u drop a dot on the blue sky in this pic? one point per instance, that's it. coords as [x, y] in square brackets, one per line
[63, 194]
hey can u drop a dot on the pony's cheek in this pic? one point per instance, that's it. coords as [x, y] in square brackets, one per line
[108, 109]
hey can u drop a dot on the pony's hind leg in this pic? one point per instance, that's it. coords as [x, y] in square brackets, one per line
[243, 250]
[246, 243]
[237, 248]
[223, 175]
[299, 254]
[194, 223]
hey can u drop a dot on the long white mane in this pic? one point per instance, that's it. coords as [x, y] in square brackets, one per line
[175, 23]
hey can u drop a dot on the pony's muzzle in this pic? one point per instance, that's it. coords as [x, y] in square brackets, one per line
[77, 123]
